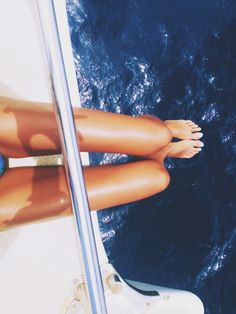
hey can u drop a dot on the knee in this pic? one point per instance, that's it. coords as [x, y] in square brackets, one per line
[160, 137]
[159, 178]
[164, 136]
[163, 180]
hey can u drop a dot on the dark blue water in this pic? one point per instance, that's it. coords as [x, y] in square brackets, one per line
[173, 59]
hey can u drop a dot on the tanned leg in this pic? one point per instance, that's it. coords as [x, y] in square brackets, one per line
[35, 194]
[28, 129]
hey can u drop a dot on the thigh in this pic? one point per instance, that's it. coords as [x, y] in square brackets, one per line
[29, 128]
[33, 194]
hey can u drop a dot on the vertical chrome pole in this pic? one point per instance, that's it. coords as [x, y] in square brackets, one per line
[73, 165]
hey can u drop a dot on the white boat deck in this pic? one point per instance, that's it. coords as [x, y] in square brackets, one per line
[37, 262]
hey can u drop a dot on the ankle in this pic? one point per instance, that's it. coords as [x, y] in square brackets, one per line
[161, 154]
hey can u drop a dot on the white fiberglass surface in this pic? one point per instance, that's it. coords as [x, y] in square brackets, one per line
[37, 262]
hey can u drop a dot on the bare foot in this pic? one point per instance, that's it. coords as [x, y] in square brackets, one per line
[184, 149]
[181, 149]
[184, 129]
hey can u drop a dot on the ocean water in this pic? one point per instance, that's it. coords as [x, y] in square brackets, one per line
[173, 59]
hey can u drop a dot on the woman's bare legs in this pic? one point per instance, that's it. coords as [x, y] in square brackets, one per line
[35, 194]
[28, 129]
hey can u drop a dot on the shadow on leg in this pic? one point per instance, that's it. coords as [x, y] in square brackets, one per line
[30, 195]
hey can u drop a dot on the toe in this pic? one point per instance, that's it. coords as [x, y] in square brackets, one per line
[197, 150]
[198, 144]
[193, 151]
[197, 135]
[191, 155]
[195, 128]
[189, 122]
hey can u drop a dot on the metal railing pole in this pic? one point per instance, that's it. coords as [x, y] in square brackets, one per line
[73, 165]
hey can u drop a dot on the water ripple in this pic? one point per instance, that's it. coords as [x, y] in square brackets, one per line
[210, 113]
[216, 259]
